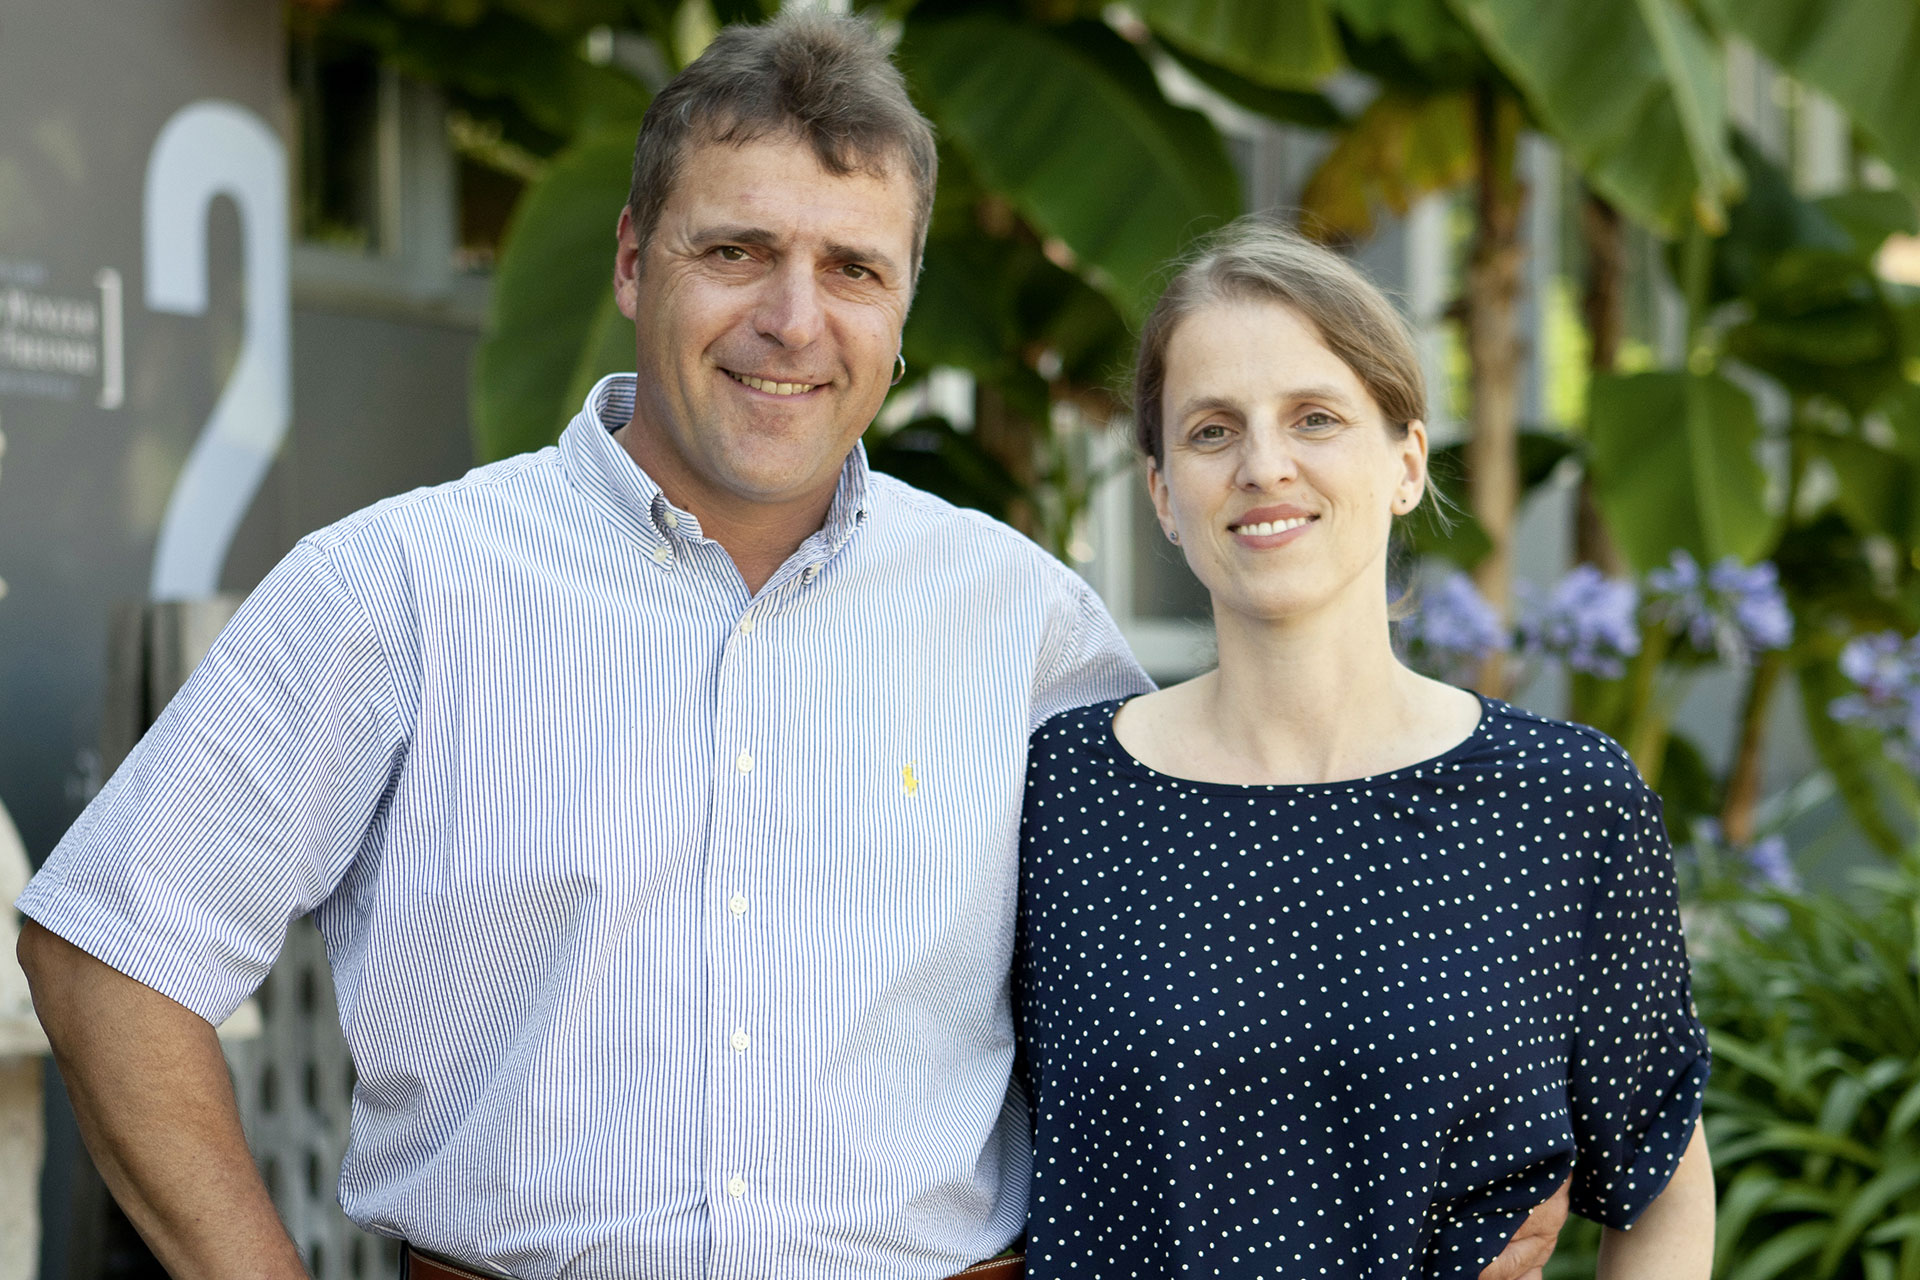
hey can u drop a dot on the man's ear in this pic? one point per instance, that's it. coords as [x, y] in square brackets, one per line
[626, 265]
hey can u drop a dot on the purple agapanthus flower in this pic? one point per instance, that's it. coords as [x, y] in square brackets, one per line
[1452, 629]
[1588, 620]
[1733, 610]
[1884, 669]
[1769, 865]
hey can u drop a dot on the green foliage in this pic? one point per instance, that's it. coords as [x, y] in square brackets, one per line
[1283, 44]
[1674, 464]
[1815, 315]
[1814, 1015]
[553, 329]
[519, 65]
[1633, 90]
[1862, 53]
[1069, 126]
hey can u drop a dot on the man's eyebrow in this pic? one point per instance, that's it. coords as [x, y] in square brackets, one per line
[758, 236]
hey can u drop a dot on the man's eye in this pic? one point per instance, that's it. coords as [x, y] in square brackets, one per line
[1210, 431]
[854, 271]
[731, 253]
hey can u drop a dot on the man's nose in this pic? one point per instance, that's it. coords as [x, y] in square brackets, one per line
[790, 310]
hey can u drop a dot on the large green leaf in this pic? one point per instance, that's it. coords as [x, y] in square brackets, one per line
[1879, 490]
[1865, 54]
[1632, 88]
[1817, 316]
[1305, 107]
[1673, 463]
[1069, 124]
[553, 327]
[1283, 44]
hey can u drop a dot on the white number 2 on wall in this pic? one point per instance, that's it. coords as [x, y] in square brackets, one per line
[211, 149]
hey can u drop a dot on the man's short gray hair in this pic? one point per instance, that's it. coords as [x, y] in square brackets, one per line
[825, 78]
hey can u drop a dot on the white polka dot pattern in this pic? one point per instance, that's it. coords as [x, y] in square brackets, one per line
[1354, 1029]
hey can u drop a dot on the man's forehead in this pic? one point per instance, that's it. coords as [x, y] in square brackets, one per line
[778, 187]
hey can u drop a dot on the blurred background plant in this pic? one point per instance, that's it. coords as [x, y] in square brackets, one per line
[1746, 509]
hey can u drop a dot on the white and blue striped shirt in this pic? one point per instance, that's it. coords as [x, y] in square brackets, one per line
[670, 925]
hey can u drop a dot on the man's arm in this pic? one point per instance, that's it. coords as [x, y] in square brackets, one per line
[155, 1105]
[1525, 1256]
[1673, 1239]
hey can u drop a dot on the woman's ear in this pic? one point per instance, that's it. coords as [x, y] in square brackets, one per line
[1162, 503]
[1413, 461]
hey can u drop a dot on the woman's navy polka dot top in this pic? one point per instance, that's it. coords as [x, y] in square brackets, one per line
[1351, 1029]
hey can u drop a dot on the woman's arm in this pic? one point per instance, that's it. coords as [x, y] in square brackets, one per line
[1673, 1239]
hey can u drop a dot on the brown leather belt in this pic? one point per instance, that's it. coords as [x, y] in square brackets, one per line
[419, 1266]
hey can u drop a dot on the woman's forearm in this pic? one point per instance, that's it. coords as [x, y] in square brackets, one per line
[1673, 1239]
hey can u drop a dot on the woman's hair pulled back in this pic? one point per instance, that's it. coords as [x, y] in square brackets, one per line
[1257, 260]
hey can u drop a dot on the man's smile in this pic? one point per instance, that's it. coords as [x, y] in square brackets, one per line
[771, 387]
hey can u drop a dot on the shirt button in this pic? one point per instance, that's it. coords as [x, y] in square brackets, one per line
[739, 1040]
[661, 554]
[813, 571]
[744, 763]
[736, 1186]
[737, 904]
[745, 627]
[671, 518]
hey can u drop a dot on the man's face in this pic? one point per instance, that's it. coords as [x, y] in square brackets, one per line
[767, 311]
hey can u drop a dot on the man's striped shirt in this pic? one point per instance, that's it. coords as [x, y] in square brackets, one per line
[670, 923]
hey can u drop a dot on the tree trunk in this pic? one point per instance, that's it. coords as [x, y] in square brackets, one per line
[1605, 311]
[1009, 438]
[1494, 352]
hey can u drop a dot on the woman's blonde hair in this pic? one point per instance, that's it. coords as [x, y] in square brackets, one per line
[1257, 260]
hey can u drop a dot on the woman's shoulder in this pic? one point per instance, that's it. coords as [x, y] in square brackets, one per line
[1557, 752]
[1076, 727]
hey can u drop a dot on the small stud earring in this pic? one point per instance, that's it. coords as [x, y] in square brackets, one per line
[1173, 536]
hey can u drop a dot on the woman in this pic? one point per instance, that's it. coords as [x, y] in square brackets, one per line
[1329, 969]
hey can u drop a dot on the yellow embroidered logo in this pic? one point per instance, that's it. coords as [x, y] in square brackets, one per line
[909, 783]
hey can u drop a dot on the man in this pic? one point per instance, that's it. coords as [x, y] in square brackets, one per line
[656, 795]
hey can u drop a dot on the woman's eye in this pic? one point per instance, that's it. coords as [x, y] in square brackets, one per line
[1210, 431]
[1318, 420]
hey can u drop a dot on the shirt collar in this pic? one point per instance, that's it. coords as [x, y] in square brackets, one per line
[613, 481]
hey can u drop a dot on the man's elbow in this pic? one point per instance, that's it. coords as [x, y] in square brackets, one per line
[52, 965]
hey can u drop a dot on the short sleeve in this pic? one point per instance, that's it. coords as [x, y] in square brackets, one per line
[1085, 659]
[1640, 1059]
[243, 805]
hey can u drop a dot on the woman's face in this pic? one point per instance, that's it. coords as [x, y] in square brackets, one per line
[1280, 476]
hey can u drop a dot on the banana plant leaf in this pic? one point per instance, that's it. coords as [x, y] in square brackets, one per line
[1635, 92]
[1305, 107]
[1672, 457]
[1282, 44]
[1864, 54]
[1069, 124]
[1415, 46]
[553, 329]
[1879, 489]
[1818, 317]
